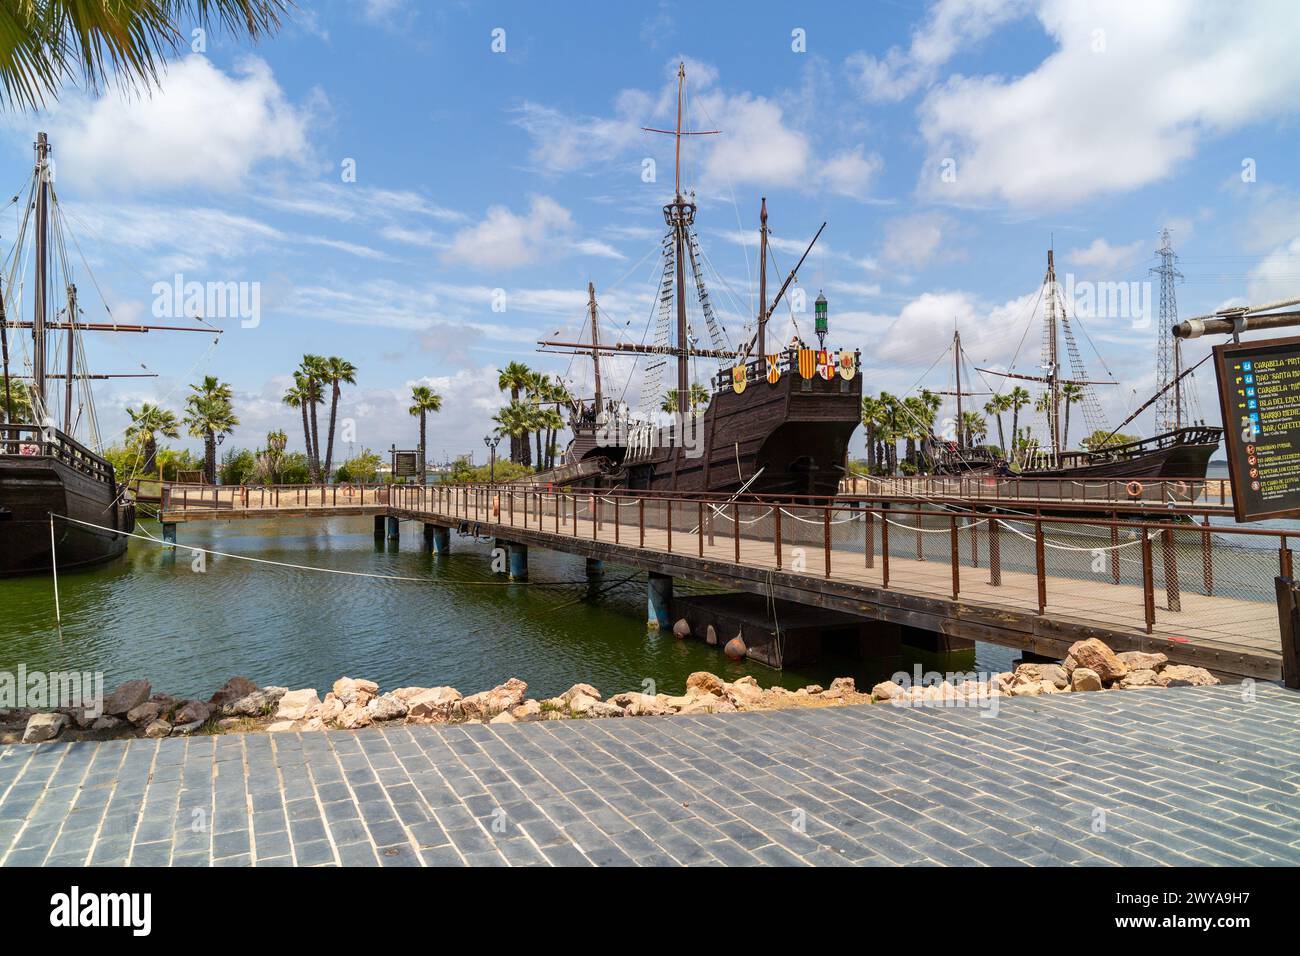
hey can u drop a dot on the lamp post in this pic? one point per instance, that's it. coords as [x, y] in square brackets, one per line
[491, 442]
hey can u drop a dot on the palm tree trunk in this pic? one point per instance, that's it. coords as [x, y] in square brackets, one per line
[210, 456]
[539, 449]
[423, 456]
[329, 441]
[515, 454]
[871, 450]
[150, 454]
[1002, 438]
[306, 433]
[1065, 435]
[315, 444]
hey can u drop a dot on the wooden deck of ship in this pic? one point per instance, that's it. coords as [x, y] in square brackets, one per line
[1017, 583]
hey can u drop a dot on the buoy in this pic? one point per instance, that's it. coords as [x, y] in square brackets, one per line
[1134, 489]
[711, 636]
[735, 648]
[681, 629]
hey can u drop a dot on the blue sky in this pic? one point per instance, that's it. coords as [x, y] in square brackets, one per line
[1088, 125]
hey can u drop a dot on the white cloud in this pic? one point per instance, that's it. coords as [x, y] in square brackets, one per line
[1277, 276]
[203, 128]
[950, 25]
[1129, 93]
[914, 240]
[506, 239]
[1102, 257]
[850, 173]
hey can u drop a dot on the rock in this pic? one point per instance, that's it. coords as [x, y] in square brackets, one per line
[743, 695]
[681, 629]
[296, 704]
[1195, 676]
[330, 708]
[386, 707]
[603, 708]
[354, 691]
[887, 690]
[131, 694]
[232, 690]
[1039, 672]
[706, 704]
[489, 703]
[193, 711]
[1142, 661]
[1138, 678]
[280, 726]
[184, 730]
[354, 715]
[584, 689]
[844, 685]
[528, 710]
[1085, 678]
[813, 690]
[41, 727]
[145, 713]
[704, 681]
[749, 679]
[107, 723]
[505, 717]
[580, 704]
[711, 636]
[255, 704]
[158, 728]
[434, 705]
[736, 648]
[1028, 690]
[404, 694]
[639, 705]
[1097, 656]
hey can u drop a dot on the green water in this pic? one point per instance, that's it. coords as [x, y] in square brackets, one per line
[151, 614]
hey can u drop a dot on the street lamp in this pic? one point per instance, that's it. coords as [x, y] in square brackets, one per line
[491, 442]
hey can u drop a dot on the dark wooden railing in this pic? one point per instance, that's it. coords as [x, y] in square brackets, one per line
[37, 441]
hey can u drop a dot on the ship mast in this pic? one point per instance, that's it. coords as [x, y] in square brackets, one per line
[42, 254]
[762, 286]
[72, 339]
[1052, 364]
[595, 343]
[956, 361]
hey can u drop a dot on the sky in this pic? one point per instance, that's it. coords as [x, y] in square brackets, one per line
[427, 191]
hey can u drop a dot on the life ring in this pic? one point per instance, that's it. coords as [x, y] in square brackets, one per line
[496, 506]
[1134, 489]
[1181, 489]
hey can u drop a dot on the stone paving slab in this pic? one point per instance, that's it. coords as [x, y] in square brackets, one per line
[1186, 776]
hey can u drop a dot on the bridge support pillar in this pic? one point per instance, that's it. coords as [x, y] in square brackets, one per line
[659, 600]
[380, 521]
[393, 529]
[518, 562]
[595, 569]
[437, 538]
[169, 532]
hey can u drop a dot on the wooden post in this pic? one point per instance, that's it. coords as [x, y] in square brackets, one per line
[884, 545]
[512, 506]
[776, 510]
[617, 509]
[920, 543]
[640, 508]
[1288, 619]
[735, 532]
[869, 537]
[1040, 565]
[670, 525]
[955, 558]
[974, 543]
[595, 516]
[1284, 558]
[1173, 595]
[826, 537]
[1114, 547]
[1148, 581]
[995, 553]
[1207, 557]
[699, 529]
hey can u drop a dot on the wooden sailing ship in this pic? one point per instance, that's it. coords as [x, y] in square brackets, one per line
[776, 422]
[60, 499]
[1182, 452]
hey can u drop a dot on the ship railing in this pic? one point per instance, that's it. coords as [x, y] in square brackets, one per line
[756, 368]
[1178, 581]
[40, 441]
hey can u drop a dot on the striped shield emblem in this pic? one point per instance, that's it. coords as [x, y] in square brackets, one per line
[807, 363]
[773, 369]
[848, 365]
[824, 365]
[738, 378]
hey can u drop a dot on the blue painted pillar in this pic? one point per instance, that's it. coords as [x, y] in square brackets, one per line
[392, 529]
[437, 539]
[518, 562]
[169, 532]
[595, 569]
[659, 600]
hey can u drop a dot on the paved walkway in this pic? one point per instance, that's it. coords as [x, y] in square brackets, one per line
[1179, 776]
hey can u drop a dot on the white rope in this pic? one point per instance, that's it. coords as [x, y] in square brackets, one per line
[1063, 547]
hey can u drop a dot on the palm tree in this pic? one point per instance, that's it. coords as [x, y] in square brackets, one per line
[515, 420]
[208, 414]
[338, 372]
[50, 42]
[515, 377]
[1017, 399]
[699, 398]
[974, 425]
[873, 420]
[424, 400]
[20, 399]
[269, 462]
[146, 425]
[315, 370]
[995, 407]
[1071, 394]
[889, 432]
[299, 397]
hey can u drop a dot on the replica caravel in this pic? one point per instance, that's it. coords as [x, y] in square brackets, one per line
[59, 500]
[776, 422]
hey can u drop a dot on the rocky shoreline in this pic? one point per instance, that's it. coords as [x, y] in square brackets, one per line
[241, 706]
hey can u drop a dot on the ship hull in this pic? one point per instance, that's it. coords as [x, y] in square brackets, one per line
[33, 488]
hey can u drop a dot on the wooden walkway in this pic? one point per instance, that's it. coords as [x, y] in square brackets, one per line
[931, 579]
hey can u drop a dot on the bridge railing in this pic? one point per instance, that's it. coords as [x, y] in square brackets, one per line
[1163, 491]
[1187, 580]
[181, 497]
